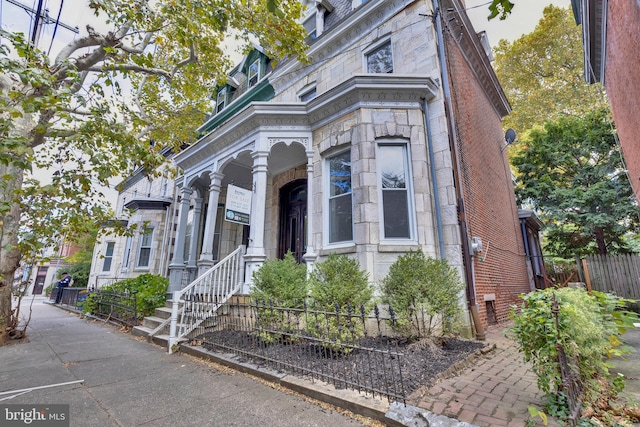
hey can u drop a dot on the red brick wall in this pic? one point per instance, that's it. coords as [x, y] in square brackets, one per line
[488, 190]
[622, 79]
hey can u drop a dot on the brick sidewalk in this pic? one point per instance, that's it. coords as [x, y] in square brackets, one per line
[494, 391]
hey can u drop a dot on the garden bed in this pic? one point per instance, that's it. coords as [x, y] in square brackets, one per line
[419, 363]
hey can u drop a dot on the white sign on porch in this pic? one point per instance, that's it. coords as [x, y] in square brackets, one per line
[238, 206]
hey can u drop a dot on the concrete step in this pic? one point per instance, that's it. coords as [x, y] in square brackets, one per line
[162, 312]
[153, 321]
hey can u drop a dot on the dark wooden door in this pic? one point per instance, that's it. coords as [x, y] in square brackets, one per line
[293, 219]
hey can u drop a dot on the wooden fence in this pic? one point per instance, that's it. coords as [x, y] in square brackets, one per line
[618, 274]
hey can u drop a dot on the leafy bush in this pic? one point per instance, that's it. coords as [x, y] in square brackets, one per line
[151, 292]
[338, 285]
[282, 282]
[339, 280]
[588, 329]
[424, 292]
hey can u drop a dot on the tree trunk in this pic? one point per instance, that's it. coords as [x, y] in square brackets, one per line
[602, 246]
[9, 253]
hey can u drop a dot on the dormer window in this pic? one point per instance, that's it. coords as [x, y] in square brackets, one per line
[221, 99]
[310, 26]
[254, 72]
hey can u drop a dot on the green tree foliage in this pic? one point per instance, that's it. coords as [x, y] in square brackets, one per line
[589, 328]
[572, 173]
[542, 73]
[71, 114]
[425, 294]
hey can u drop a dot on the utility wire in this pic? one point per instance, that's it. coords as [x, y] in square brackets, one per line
[55, 29]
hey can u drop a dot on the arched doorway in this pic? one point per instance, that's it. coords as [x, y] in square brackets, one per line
[293, 219]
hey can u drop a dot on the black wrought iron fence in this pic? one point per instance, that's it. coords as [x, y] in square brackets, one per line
[348, 347]
[117, 306]
[570, 374]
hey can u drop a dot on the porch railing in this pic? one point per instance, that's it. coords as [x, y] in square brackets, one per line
[198, 302]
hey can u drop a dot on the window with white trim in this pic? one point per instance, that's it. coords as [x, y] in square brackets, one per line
[108, 256]
[221, 99]
[127, 254]
[380, 59]
[310, 26]
[144, 254]
[394, 183]
[340, 198]
[254, 72]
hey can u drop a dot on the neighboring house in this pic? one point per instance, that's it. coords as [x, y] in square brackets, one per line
[46, 273]
[387, 141]
[149, 205]
[611, 41]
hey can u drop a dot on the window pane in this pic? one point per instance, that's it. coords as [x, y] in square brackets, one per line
[145, 248]
[310, 26]
[143, 261]
[220, 99]
[253, 73]
[340, 219]
[380, 60]
[108, 256]
[396, 214]
[109, 251]
[392, 166]
[340, 174]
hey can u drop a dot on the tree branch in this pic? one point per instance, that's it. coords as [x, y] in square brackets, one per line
[132, 67]
[191, 59]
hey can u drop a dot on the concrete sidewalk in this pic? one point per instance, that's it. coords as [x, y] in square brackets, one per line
[129, 382]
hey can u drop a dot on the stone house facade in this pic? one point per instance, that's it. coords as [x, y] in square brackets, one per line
[148, 206]
[389, 140]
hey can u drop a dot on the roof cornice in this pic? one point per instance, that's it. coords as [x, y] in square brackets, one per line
[367, 90]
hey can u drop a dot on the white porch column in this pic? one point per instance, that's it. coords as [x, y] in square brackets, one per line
[177, 266]
[206, 256]
[255, 252]
[195, 233]
[310, 255]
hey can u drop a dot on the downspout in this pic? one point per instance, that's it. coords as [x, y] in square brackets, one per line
[434, 179]
[453, 138]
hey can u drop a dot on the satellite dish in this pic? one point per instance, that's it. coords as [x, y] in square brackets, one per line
[510, 136]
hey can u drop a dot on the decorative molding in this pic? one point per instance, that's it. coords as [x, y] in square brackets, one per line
[461, 31]
[288, 141]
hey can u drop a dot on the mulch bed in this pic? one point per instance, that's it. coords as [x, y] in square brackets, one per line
[421, 362]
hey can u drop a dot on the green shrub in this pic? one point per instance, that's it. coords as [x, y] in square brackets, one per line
[424, 293]
[279, 283]
[588, 328]
[339, 280]
[151, 292]
[338, 285]
[281, 280]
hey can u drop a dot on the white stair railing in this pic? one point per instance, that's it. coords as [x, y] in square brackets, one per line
[200, 300]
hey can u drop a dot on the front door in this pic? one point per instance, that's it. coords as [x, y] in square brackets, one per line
[293, 219]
